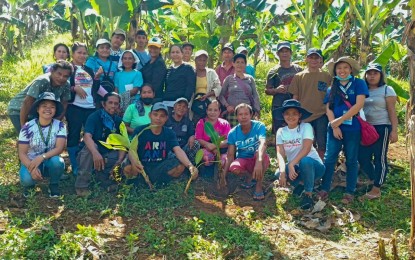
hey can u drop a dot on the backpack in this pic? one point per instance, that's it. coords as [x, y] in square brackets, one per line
[107, 83]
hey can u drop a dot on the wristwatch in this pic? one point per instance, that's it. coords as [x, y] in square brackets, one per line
[44, 156]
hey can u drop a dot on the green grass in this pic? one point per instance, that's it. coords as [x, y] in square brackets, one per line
[151, 225]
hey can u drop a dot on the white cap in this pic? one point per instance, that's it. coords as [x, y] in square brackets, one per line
[201, 52]
[241, 49]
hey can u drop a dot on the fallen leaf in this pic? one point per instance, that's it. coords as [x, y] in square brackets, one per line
[116, 224]
[319, 206]
[311, 224]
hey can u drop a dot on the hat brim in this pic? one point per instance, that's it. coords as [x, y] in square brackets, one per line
[353, 63]
[279, 112]
[155, 45]
[33, 109]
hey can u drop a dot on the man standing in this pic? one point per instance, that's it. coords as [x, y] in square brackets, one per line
[310, 87]
[279, 79]
[187, 51]
[140, 50]
[55, 81]
[154, 145]
[226, 68]
[117, 40]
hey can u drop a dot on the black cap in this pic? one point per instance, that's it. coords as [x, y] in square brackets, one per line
[314, 51]
[239, 55]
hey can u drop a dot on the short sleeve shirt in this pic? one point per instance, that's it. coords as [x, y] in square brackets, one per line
[132, 116]
[30, 134]
[357, 87]
[108, 66]
[292, 140]
[375, 108]
[40, 85]
[183, 129]
[222, 127]
[126, 80]
[247, 144]
[155, 148]
[95, 126]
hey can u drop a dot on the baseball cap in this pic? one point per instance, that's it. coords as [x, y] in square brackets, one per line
[241, 49]
[155, 41]
[160, 106]
[180, 100]
[281, 45]
[239, 55]
[200, 53]
[314, 51]
[119, 32]
[102, 41]
[228, 46]
[374, 66]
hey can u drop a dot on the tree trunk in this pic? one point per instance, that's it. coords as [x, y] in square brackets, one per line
[411, 121]
[345, 37]
[364, 48]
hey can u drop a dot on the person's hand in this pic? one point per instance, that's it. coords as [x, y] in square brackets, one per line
[194, 172]
[99, 72]
[283, 179]
[337, 133]
[80, 92]
[191, 141]
[335, 123]
[281, 89]
[258, 171]
[137, 166]
[230, 109]
[99, 163]
[291, 172]
[393, 137]
[34, 164]
[36, 174]
[204, 97]
[210, 147]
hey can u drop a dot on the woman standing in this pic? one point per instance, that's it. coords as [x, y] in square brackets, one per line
[41, 141]
[344, 128]
[380, 112]
[128, 80]
[180, 78]
[207, 85]
[239, 88]
[155, 71]
[82, 101]
[60, 52]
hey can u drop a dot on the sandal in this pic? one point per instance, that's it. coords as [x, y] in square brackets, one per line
[248, 185]
[369, 196]
[258, 196]
[323, 195]
[347, 198]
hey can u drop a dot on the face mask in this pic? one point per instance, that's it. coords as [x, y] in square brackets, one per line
[343, 79]
[147, 101]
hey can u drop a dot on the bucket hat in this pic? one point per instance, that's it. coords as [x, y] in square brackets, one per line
[291, 103]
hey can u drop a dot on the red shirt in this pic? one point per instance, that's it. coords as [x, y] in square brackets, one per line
[223, 72]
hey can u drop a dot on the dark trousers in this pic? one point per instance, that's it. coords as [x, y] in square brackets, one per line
[373, 159]
[76, 117]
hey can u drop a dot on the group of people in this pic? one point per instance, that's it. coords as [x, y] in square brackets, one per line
[313, 115]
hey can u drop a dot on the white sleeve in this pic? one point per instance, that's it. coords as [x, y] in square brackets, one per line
[307, 131]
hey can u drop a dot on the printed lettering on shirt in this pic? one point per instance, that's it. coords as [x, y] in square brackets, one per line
[154, 151]
[292, 142]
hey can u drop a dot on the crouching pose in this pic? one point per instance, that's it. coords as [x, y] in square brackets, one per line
[94, 156]
[41, 141]
[154, 146]
[247, 139]
[295, 142]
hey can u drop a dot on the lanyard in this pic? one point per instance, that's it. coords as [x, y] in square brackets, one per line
[45, 141]
[345, 89]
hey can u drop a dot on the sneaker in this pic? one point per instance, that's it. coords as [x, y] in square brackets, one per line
[307, 202]
[54, 191]
[28, 190]
[298, 190]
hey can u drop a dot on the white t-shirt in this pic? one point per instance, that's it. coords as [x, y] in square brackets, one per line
[85, 81]
[292, 141]
[30, 135]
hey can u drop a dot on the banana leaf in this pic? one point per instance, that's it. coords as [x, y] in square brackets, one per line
[199, 156]
[214, 136]
[117, 139]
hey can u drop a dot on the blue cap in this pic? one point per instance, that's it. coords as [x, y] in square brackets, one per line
[315, 51]
[160, 106]
[281, 45]
[374, 66]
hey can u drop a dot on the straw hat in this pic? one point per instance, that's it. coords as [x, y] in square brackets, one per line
[331, 64]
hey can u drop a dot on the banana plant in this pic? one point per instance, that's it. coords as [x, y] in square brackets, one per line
[122, 142]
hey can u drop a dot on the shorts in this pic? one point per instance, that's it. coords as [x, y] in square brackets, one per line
[158, 171]
[247, 164]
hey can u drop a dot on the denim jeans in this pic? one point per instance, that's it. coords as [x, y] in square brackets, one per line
[373, 159]
[54, 166]
[350, 144]
[310, 170]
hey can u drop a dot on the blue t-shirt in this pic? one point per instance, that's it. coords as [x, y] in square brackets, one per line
[126, 80]
[357, 87]
[94, 63]
[250, 70]
[95, 126]
[247, 144]
[155, 148]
